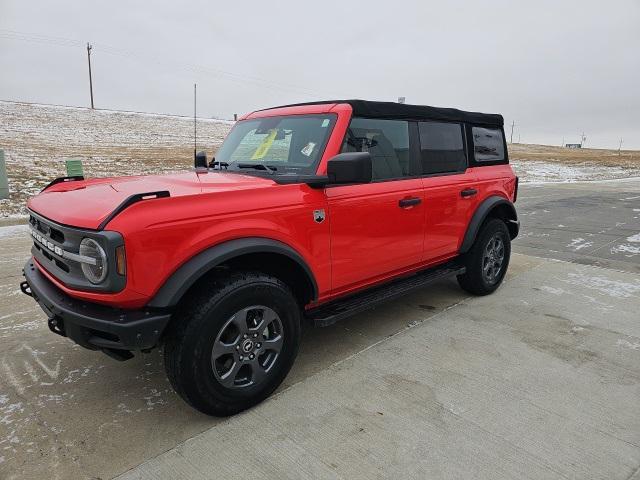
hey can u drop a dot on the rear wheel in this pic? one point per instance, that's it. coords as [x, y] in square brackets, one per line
[232, 342]
[488, 259]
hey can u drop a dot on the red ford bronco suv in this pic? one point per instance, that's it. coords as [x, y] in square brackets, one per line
[308, 212]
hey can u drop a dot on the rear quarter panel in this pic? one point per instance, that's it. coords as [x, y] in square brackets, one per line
[495, 180]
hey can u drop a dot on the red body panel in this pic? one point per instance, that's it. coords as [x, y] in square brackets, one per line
[447, 213]
[366, 237]
[371, 235]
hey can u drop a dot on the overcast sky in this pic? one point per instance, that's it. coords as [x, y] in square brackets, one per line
[556, 68]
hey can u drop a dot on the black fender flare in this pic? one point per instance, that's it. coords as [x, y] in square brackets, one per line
[481, 214]
[191, 271]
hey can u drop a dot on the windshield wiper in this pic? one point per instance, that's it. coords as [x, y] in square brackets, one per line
[258, 166]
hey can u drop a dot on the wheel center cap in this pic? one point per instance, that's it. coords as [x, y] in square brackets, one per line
[247, 346]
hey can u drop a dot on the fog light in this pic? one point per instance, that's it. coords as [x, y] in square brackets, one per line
[98, 272]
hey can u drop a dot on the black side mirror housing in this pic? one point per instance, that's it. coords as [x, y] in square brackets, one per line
[200, 160]
[351, 167]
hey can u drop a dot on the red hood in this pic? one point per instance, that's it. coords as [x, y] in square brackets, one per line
[87, 203]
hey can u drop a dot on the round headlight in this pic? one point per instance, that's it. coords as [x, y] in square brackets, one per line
[98, 272]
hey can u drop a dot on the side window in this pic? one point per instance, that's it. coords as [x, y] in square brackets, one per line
[441, 147]
[488, 144]
[386, 140]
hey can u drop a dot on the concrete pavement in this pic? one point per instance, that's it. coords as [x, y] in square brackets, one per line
[593, 223]
[539, 380]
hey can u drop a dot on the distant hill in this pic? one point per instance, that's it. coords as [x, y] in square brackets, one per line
[37, 138]
[591, 156]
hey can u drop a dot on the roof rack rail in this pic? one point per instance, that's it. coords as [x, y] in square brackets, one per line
[73, 178]
[138, 197]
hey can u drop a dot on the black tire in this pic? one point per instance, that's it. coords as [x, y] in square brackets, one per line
[201, 320]
[476, 280]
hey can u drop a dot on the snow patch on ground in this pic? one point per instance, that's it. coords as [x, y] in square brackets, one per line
[13, 231]
[538, 171]
[579, 244]
[552, 290]
[626, 249]
[627, 344]
[38, 138]
[604, 286]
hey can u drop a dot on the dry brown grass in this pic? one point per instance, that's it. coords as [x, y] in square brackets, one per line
[575, 156]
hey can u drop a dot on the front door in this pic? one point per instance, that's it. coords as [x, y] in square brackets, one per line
[377, 229]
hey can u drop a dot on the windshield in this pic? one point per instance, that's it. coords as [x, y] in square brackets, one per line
[287, 144]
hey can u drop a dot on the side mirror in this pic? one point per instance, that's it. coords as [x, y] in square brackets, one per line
[352, 167]
[200, 160]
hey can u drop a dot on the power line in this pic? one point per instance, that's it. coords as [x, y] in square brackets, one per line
[190, 67]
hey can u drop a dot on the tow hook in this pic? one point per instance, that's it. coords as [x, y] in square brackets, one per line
[26, 289]
[56, 325]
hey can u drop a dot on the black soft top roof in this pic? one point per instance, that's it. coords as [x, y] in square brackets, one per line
[369, 109]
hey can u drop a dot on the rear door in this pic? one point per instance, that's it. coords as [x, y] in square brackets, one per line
[450, 187]
[377, 229]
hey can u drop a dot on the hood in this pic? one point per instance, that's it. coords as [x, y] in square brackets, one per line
[86, 203]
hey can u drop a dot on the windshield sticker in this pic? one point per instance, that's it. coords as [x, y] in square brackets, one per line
[264, 147]
[308, 149]
[325, 123]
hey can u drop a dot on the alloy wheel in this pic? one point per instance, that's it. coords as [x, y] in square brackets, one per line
[493, 259]
[247, 347]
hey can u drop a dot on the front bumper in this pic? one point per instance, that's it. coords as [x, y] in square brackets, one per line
[93, 326]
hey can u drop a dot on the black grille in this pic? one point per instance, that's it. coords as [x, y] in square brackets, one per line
[52, 232]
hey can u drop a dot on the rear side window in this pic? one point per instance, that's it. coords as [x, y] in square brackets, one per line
[441, 147]
[488, 144]
[386, 140]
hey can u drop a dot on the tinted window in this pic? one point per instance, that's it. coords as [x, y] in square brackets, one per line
[386, 140]
[488, 144]
[441, 147]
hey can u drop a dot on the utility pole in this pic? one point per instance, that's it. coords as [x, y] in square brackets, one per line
[620, 146]
[583, 139]
[513, 124]
[89, 47]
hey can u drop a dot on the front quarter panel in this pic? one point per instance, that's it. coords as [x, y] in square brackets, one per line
[161, 235]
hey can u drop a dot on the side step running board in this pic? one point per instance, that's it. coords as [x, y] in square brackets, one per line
[336, 310]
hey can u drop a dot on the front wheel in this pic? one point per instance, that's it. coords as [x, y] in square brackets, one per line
[232, 343]
[488, 259]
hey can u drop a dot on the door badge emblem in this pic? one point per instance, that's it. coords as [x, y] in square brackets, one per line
[318, 215]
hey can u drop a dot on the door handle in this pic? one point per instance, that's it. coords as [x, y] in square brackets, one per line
[468, 192]
[409, 202]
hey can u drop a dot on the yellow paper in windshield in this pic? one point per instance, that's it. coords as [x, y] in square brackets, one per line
[264, 147]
